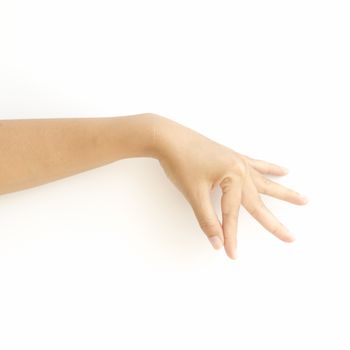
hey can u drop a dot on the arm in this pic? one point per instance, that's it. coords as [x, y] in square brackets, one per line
[37, 151]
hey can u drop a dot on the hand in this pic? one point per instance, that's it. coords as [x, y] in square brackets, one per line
[196, 165]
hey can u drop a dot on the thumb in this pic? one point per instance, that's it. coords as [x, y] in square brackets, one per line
[206, 216]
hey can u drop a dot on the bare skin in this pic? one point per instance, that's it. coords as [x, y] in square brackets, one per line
[38, 151]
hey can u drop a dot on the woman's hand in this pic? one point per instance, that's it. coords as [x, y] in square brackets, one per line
[196, 165]
[37, 151]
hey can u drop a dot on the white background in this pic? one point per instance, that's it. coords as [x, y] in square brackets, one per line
[113, 258]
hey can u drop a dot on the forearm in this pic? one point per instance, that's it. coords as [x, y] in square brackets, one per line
[37, 151]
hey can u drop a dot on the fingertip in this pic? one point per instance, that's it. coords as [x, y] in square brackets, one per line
[286, 235]
[290, 239]
[231, 252]
[298, 199]
[285, 171]
[304, 199]
[216, 242]
[233, 256]
[279, 171]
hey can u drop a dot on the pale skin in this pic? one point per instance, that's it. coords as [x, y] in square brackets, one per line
[38, 151]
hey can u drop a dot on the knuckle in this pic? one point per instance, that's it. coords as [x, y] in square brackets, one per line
[257, 208]
[208, 225]
[265, 186]
[239, 167]
[230, 216]
[253, 211]
[276, 229]
[226, 183]
[234, 166]
[263, 190]
[267, 181]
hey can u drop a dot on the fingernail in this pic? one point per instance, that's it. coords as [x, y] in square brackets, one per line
[234, 254]
[216, 242]
[285, 170]
[304, 199]
[289, 237]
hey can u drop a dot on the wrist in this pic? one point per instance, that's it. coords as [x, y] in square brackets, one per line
[164, 136]
[163, 130]
[169, 137]
[151, 125]
[126, 136]
[138, 135]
